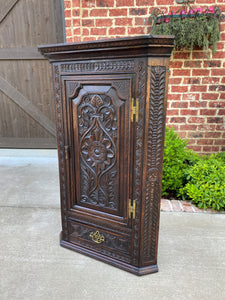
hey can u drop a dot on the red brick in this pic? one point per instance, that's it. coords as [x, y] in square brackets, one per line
[76, 22]
[138, 11]
[218, 104]
[186, 206]
[196, 120]
[98, 31]
[198, 104]
[205, 142]
[182, 134]
[207, 149]
[215, 148]
[68, 23]
[210, 96]
[195, 148]
[103, 22]
[181, 72]
[188, 112]
[179, 89]
[181, 55]
[117, 30]
[217, 87]
[88, 3]
[192, 64]
[199, 55]
[172, 112]
[123, 21]
[218, 72]
[76, 31]
[104, 3]
[219, 54]
[195, 134]
[176, 64]
[221, 112]
[68, 32]
[67, 13]
[177, 120]
[126, 3]
[69, 39]
[165, 205]
[144, 2]
[220, 127]
[190, 96]
[99, 12]
[141, 21]
[212, 134]
[198, 88]
[174, 80]
[75, 12]
[191, 81]
[215, 120]
[219, 142]
[118, 12]
[67, 4]
[89, 38]
[200, 72]
[211, 80]
[136, 30]
[88, 22]
[212, 63]
[85, 13]
[175, 205]
[85, 31]
[222, 96]
[188, 127]
[206, 127]
[191, 142]
[208, 112]
[174, 97]
[179, 104]
[75, 3]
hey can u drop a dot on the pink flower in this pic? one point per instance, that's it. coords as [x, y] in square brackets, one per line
[167, 20]
[211, 9]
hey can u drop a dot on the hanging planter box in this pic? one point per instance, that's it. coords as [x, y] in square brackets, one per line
[192, 28]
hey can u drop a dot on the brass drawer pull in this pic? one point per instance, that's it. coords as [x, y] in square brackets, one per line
[97, 237]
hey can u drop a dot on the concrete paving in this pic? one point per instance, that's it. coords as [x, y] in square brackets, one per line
[191, 255]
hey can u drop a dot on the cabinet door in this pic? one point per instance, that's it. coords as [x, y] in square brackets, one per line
[98, 137]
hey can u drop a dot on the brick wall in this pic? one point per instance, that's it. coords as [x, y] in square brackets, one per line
[196, 98]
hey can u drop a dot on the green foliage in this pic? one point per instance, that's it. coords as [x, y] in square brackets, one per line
[200, 179]
[176, 163]
[201, 31]
[206, 186]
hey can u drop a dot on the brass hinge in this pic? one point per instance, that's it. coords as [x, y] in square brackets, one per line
[131, 209]
[67, 152]
[134, 110]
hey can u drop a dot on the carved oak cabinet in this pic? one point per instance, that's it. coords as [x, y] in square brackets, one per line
[110, 99]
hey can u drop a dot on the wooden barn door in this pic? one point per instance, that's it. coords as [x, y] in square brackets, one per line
[27, 118]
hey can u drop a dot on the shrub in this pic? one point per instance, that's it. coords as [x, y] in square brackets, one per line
[206, 186]
[176, 163]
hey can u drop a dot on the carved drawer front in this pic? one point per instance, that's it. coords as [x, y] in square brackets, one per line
[100, 240]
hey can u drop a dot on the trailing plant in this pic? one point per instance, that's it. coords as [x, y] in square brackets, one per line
[206, 186]
[191, 28]
[176, 163]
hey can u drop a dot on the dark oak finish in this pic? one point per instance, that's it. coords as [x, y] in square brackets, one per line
[26, 96]
[110, 110]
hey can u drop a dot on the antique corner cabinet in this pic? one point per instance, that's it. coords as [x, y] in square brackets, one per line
[110, 98]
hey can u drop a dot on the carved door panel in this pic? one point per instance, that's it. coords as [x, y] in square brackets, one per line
[98, 142]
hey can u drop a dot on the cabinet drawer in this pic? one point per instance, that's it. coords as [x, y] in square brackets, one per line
[100, 240]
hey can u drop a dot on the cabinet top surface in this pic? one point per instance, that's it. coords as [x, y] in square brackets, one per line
[150, 45]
